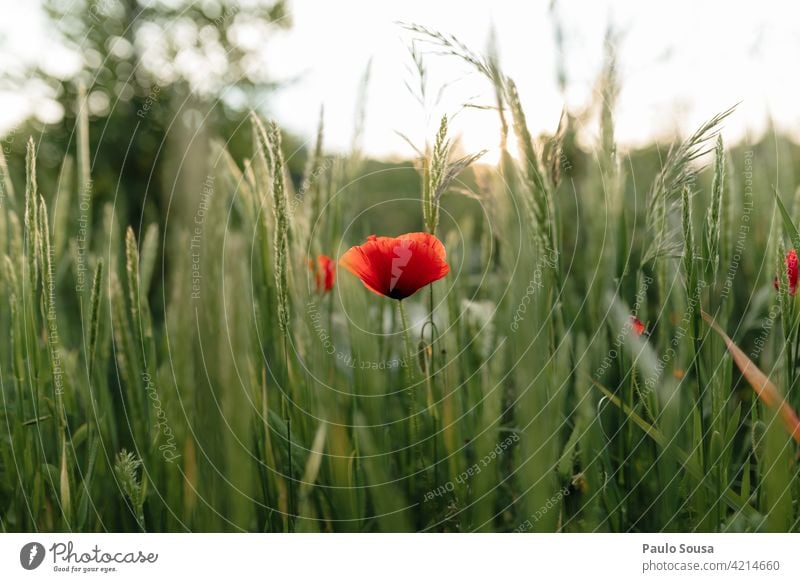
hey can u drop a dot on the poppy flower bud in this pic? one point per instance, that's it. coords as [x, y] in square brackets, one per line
[324, 273]
[791, 272]
[636, 325]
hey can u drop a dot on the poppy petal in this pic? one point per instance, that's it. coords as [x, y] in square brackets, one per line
[366, 265]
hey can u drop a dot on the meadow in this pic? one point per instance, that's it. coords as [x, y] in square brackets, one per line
[614, 348]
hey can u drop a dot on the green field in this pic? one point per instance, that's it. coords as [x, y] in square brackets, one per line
[171, 365]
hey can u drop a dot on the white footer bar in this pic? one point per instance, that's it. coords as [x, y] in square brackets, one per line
[400, 557]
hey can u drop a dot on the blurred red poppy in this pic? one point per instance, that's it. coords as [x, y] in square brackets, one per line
[636, 325]
[324, 273]
[397, 267]
[791, 271]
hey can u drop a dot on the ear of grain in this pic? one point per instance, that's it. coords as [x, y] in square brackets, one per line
[62, 207]
[94, 319]
[540, 199]
[688, 242]
[676, 173]
[50, 313]
[126, 470]
[5, 178]
[65, 489]
[312, 189]
[241, 186]
[714, 214]
[282, 228]
[128, 354]
[132, 269]
[32, 244]
[6, 200]
[149, 255]
[435, 174]
[84, 171]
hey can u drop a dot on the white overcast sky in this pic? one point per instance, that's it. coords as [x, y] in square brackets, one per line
[680, 63]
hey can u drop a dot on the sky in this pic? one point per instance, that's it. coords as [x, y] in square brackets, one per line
[680, 63]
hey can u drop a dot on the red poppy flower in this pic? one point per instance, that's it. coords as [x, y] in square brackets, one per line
[397, 267]
[791, 271]
[324, 273]
[636, 325]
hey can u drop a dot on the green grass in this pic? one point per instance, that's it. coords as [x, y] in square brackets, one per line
[186, 376]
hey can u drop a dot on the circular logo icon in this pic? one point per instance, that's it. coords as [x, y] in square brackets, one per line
[31, 555]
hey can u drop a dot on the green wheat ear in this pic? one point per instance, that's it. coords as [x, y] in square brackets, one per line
[132, 269]
[147, 260]
[688, 239]
[49, 314]
[94, 321]
[439, 172]
[84, 172]
[665, 194]
[312, 186]
[262, 139]
[5, 176]
[435, 174]
[539, 202]
[139, 308]
[714, 215]
[282, 227]
[83, 158]
[270, 152]
[126, 469]
[31, 231]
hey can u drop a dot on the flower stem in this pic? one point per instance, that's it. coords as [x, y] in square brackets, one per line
[412, 395]
[429, 370]
[288, 420]
[406, 338]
